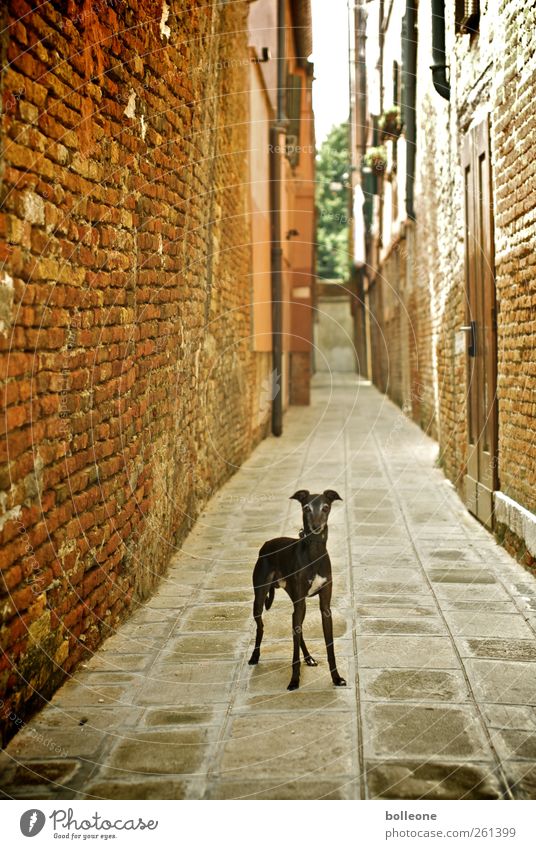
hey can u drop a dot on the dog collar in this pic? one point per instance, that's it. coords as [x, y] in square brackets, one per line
[302, 533]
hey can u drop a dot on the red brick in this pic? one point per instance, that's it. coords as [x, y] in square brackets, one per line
[110, 313]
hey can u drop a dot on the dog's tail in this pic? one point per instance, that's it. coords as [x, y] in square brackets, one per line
[270, 597]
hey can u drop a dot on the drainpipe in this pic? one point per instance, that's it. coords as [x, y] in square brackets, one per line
[409, 88]
[276, 130]
[439, 67]
[362, 90]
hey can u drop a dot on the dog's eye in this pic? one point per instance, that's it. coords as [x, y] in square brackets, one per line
[325, 508]
[308, 508]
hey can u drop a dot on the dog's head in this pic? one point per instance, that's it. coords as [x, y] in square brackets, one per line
[315, 508]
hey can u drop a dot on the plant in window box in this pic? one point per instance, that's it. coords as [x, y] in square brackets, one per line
[390, 123]
[376, 159]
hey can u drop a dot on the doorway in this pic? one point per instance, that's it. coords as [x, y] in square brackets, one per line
[480, 326]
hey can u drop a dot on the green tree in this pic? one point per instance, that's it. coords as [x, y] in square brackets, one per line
[332, 234]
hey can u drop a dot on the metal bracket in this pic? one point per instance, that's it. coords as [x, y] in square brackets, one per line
[471, 328]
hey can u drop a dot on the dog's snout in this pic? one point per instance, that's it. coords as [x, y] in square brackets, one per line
[315, 514]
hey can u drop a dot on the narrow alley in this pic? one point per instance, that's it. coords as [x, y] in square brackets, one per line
[434, 632]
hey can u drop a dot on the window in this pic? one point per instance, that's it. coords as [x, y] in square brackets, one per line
[294, 88]
[397, 97]
[467, 16]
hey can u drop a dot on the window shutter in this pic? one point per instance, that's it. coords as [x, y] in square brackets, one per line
[294, 87]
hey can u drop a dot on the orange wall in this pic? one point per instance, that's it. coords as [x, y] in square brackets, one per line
[297, 192]
[259, 168]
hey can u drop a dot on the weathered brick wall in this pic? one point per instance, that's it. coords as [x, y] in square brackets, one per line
[380, 353]
[514, 171]
[493, 72]
[437, 270]
[124, 300]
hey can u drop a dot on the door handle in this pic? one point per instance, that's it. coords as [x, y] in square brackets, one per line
[471, 328]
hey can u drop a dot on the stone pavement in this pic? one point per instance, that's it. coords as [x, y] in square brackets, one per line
[434, 627]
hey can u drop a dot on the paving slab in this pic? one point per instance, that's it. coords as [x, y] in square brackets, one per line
[315, 703]
[284, 745]
[406, 731]
[183, 716]
[169, 694]
[172, 751]
[424, 625]
[503, 682]
[149, 789]
[406, 651]
[302, 789]
[376, 610]
[432, 780]
[417, 685]
[434, 629]
[208, 617]
[500, 649]
[521, 778]
[185, 648]
[477, 624]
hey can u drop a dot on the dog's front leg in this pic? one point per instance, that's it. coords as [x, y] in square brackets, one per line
[298, 616]
[327, 627]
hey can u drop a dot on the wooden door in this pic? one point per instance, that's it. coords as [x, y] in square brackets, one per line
[480, 326]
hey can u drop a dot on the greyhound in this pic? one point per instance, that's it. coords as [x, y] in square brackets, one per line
[303, 569]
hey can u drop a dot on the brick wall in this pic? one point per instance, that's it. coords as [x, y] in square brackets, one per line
[124, 299]
[514, 168]
[495, 72]
[492, 72]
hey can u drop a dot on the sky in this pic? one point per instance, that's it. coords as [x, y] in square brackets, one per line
[330, 57]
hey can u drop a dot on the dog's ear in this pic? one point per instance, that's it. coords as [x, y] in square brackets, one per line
[301, 495]
[331, 495]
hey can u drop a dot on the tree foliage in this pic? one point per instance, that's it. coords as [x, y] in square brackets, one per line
[332, 235]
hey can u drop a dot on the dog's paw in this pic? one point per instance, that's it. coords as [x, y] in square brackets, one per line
[293, 685]
[339, 682]
[310, 661]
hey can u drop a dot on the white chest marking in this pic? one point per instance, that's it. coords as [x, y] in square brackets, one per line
[318, 583]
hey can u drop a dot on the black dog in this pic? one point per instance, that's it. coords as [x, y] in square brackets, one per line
[301, 567]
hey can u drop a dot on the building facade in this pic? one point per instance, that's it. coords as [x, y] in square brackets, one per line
[443, 153]
[294, 146]
[132, 381]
